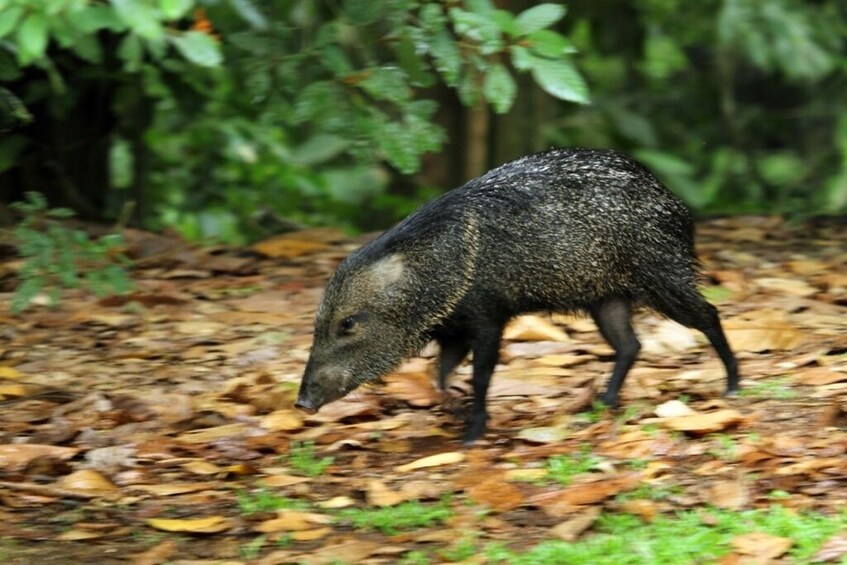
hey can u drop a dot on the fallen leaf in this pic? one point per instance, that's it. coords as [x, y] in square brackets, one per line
[86, 480]
[18, 455]
[729, 494]
[546, 434]
[533, 328]
[311, 535]
[525, 474]
[377, 494]
[171, 489]
[209, 525]
[560, 502]
[282, 480]
[10, 373]
[496, 494]
[159, 553]
[414, 388]
[291, 521]
[704, 423]
[821, 376]
[570, 530]
[446, 458]
[673, 409]
[791, 287]
[645, 509]
[668, 337]
[209, 435]
[80, 534]
[833, 550]
[282, 421]
[337, 502]
[201, 467]
[761, 545]
[762, 335]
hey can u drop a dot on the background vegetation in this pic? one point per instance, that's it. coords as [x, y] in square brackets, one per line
[240, 118]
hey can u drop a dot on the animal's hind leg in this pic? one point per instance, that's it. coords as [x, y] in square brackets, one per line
[614, 320]
[453, 351]
[693, 311]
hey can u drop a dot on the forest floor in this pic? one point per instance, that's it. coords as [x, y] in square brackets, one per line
[159, 427]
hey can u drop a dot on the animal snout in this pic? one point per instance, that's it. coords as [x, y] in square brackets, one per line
[306, 405]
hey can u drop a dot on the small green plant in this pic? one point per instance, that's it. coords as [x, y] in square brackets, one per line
[595, 414]
[650, 492]
[725, 449]
[57, 257]
[562, 468]
[302, 459]
[266, 501]
[707, 533]
[405, 516]
[252, 549]
[462, 550]
[637, 464]
[415, 558]
[777, 389]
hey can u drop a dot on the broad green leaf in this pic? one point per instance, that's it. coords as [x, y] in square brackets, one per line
[199, 48]
[95, 17]
[249, 13]
[130, 52]
[481, 7]
[448, 59]
[559, 78]
[88, 48]
[175, 9]
[505, 20]
[120, 164]
[522, 59]
[141, 17]
[363, 12]
[548, 43]
[9, 19]
[539, 17]
[386, 83]
[32, 37]
[499, 88]
[318, 149]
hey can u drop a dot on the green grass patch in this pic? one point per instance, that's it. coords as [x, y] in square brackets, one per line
[563, 468]
[406, 516]
[777, 388]
[303, 461]
[266, 501]
[697, 536]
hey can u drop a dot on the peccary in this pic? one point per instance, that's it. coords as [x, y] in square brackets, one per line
[560, 231]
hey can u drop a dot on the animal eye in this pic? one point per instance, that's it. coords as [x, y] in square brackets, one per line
[347, 326]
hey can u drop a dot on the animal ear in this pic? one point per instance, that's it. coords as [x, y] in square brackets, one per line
[388, 271]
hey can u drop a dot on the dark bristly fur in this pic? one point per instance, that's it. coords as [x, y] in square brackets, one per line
[563, 230]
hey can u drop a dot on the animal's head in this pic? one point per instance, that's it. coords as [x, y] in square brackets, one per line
[368, 321]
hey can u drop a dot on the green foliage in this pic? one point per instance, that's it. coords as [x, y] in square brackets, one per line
[405, 516]
[57, 257]
[266, 501]
[695, 536]
[302, 459]
[562, 468]
[776, 388]
[253, 549]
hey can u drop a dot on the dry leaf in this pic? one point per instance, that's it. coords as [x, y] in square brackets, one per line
[283, 480]
[447, 458]
[548, 434]
[496, 493]
[291, 521]
[156, 555]
[414, 388]
[282, 421]
[80, 534]
[10, 373]
[525, 474]
[791, 287]
[18, 455]
[171, 489]
[201, 467]
[86, 480]
[209, 525]
[833, 550]
[761, 545]
[570, 530]
[586, 493]
[377, 494]
[533, 328]
[337, 502]
[311, 535]
[729, 494]
[704, 423]
[645, 509]
[673, 409]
